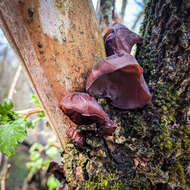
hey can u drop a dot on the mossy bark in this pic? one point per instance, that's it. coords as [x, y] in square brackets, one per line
[151, 147]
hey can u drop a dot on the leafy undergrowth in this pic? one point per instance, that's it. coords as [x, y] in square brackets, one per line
[40, 157]
[12, 128]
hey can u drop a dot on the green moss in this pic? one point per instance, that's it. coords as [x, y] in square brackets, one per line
[104, 182]
[176, 172]
[136, 125]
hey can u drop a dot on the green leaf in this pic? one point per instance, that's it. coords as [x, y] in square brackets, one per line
[41, 114]
[46, 163]
[7, 104]
[36, 147]
[36, 101]
[12, 128]
[34, 155]
[35, 165]
[51, 151]
[10, 135]
[35, 122]
[52, 182]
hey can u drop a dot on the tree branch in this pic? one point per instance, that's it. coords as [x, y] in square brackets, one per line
[137, 19]
[15, 80]
[28, 112]
[140, 4]
[123, 8]
[3, 171]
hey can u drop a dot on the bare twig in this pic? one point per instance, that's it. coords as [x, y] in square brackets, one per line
[15, 80]
[97, 7]
[3, 179]
[54, 144]
[137, 19]
[30, 111]
[3, 172]
[113, 9]
[3, 163]
[139, 3]
[123, 8]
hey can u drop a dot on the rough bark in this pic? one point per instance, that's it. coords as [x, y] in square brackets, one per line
[151, 147]
[57, 41]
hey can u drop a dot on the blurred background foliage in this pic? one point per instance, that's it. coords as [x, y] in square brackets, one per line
[27, 169]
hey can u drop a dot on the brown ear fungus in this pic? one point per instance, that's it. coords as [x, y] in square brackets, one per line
[83, 109]
[75, 136]
[119, 78]
[118, 39]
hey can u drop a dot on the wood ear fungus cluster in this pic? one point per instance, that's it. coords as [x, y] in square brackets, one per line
[75, 136]
[119, 39]
[118, 77]
[83, 109]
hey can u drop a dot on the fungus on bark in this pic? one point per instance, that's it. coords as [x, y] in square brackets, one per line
[119, 78]
[75, 136]
[118, 39]
[83, 109]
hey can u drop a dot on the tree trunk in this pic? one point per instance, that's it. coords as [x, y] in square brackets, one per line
[57, 41]
[151, 147]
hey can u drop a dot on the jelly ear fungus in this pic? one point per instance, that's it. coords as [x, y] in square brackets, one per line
[83, 109]
[119, 78]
